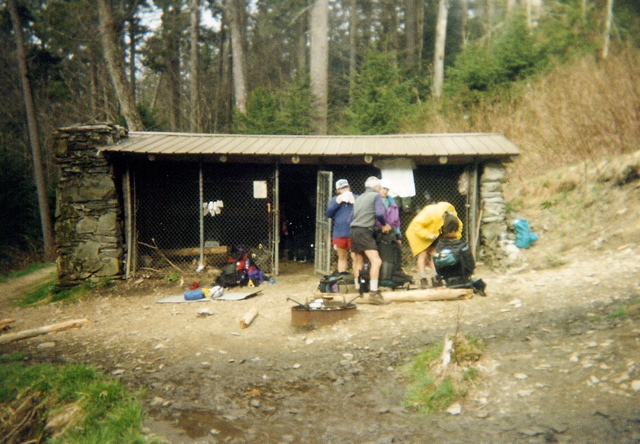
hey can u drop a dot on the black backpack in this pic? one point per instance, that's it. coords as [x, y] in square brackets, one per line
[335, 283]
[231, 276]
[391, 274]
[454, 263]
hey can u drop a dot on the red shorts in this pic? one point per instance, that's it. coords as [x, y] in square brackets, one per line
[341, 242]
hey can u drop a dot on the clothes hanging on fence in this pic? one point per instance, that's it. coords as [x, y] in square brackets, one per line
[214, 207]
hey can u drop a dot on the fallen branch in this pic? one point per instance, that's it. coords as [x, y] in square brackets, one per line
[5, 323]
[429, 294]
[164, 256]
[248, 318]
[4, 339]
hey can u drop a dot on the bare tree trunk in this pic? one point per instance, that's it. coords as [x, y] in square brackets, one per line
[607, 29]
[490, 11]
[438, 59]
[239, 57]
[195, 120]
[32, 123]
[320, 63]
[390, 24]
[116, 71]
[93, 97]
[419, 30]
[353, 45]
[132, 57]
[465, 20]
[411, 32]
[301, 47]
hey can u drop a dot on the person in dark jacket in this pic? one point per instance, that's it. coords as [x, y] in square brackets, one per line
[368, 209]
[340, 209]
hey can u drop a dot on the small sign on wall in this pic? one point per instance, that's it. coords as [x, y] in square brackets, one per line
[259, 189]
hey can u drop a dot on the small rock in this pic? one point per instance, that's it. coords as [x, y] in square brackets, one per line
[575, 357]
[482, 414]
[118, 372]
[156, 401]
[635, 385]
[533, 431]
[525, 393]
[255, 403]
[296, 366]
[520, 376]
[594, 380]
[46, 345]
[454, 409]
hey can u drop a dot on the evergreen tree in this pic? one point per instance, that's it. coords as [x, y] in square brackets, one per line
[380, 96]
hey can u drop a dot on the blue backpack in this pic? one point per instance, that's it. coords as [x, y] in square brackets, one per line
[524, 236]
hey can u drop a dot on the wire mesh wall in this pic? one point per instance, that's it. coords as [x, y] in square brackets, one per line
[236, 210]
[171, 197]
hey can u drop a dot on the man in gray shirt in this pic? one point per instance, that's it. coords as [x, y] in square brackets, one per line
[367, 209]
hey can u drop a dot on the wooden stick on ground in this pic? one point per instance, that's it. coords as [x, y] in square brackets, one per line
[5, 323]
[248, 318]
[42, 330]
[428, 294]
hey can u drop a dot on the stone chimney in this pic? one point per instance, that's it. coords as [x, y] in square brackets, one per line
[88, 230]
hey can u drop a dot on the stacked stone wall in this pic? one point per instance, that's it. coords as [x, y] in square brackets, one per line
[88, 228]
[494, 214]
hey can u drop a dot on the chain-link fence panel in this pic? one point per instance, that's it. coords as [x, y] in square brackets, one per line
[189, 216]
[442, 183]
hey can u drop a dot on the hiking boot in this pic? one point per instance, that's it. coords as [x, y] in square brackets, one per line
[375, 298]
[424, 283]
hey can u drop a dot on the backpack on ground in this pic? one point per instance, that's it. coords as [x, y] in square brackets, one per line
[240, 270]
[335, 283]
[454, 263]
[390, 251]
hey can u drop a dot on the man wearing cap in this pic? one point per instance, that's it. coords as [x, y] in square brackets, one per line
[368, 209]
[340, 209]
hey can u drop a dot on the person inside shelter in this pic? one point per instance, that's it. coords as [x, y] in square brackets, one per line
[422, 234]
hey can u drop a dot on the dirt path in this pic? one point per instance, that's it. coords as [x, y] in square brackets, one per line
[558, 366]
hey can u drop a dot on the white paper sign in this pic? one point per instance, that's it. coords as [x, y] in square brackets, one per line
[260, 189]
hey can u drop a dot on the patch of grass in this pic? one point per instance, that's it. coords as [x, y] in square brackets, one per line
[433, 389]
[28, 270]
[555, 261]
[546, 204]
[47, 293]
[619, 313]
[38, 295]
[90, 406]
[172, 277]
[514, 206]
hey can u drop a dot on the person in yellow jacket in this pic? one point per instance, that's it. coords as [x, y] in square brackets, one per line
[423, 231]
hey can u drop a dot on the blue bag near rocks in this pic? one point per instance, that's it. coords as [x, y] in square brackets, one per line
[524, 236]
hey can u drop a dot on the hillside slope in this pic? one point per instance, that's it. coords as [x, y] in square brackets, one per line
[587, 209]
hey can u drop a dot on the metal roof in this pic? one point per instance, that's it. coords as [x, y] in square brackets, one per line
[412, 145]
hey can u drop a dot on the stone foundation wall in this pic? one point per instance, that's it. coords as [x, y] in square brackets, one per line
[88, 229]
[494, 215]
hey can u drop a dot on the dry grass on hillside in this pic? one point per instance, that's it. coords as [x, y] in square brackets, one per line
[577, 113]
[580, 210]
